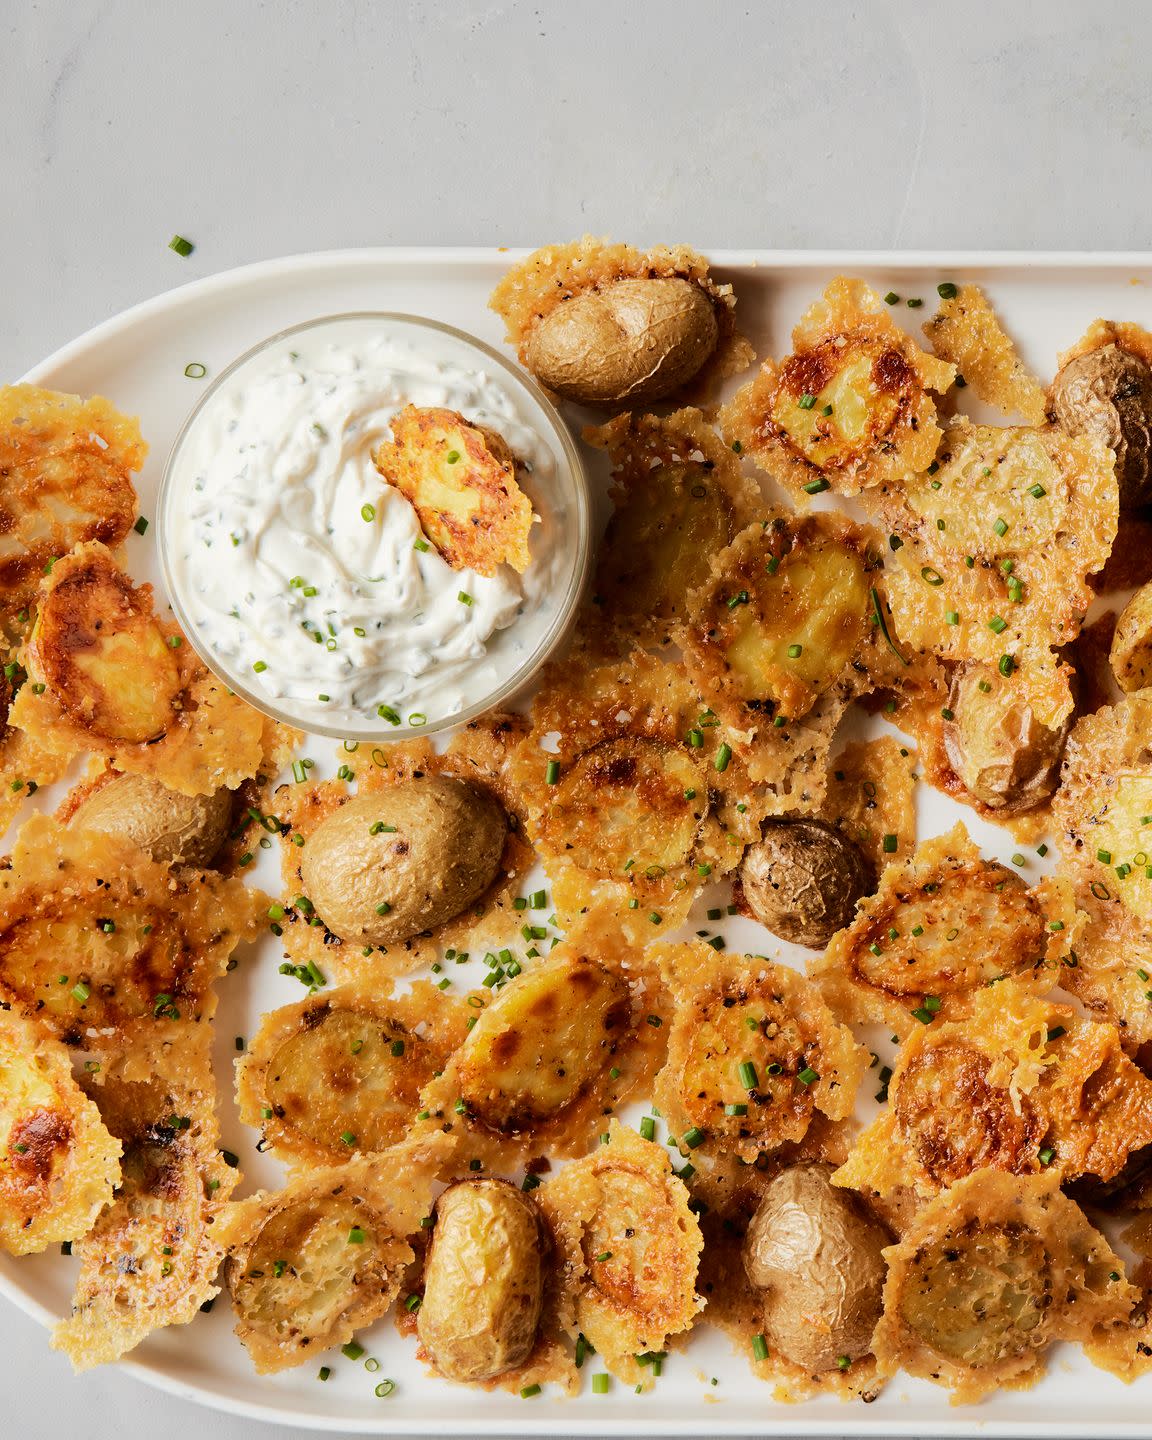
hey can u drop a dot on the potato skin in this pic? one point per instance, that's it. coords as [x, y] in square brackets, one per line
[483, 1280]
[802, 880]
[816, 1254]
[633, 341]
[1107, 393]
[173, 829]
[441, 854]
[1131, 652]
[1000, 752]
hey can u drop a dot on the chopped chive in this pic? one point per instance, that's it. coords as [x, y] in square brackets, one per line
[1006, 665]
[529, 1391]
[1001, 525]
[723, 756]
[759, 1347]
[931, 575]
[368, 512]
[806, 402]
[947, 291]
[891, 298]
[915, 303]
[600, 1384]
[807, 1076]
[748, 1076]
[1046, 1155]
[552, 772]
[384, 1389]
[816, 487]
[693, 1137]
[181, 246]
[738, 1109]
[464, 597]
[647, 1127]
[890, 843]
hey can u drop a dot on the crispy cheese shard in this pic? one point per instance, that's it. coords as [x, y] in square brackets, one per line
[1022, 1085]
[58, 1163]
[849, 409]
[312, 1263]
[991, 1273]
[967, 333]
[67, 465]
[939, 928]
[461, 481]
[628, 1249]
[754, 1052]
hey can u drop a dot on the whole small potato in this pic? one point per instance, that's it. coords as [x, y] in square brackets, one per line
[1131, 652]
[1107, 393]
[814, 1251]
[388, 865]
[174, 829]
[632, 341]
[483, 1280]
[999, 751]
[802, 880]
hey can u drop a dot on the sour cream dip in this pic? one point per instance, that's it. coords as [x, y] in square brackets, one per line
[305, 580]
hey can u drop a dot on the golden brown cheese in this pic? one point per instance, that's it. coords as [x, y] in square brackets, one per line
[939, 928]
[991, 1273]
[628, 1249]
[58, 1163]
[991, 550]
[567, 1041]
[481, 754]
[849, 408]
[461, 480]
[1022, 1084]
[967, 333]
[753, 1054]
[339, 1075]
[634, 802]
[872, 797]
[152, 1258]
[311, 1264]
[108, 950]
[538, 285]
[67, 465]
[678, 498]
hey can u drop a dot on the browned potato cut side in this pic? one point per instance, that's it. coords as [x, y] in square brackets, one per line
[97, 647]
[967, 333]
[461, 480]
[1131, 652]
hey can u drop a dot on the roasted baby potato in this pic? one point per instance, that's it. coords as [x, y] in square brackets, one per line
[803, 878]
[634, 341]
[1107, 393]
[817, 1255]
[483, 1280]
[388, 865]
[173, 829]
[1131, 652]
[461, 480]
[998, 748]
[67, 465]
[98, 649]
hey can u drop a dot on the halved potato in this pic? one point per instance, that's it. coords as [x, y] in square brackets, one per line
[172, 828]
[58, 1163]
[753, 1053]
[96, 645]
[629, 1247]
[1131, 653]
[461, 480]
[67, 465]
[849, 408]
[989, 1275]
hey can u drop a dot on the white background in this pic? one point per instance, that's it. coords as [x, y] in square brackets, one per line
[258, 129]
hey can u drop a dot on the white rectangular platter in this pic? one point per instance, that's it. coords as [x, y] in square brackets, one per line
[138, 360]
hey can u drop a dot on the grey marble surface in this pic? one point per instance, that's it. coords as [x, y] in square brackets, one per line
[259, 129]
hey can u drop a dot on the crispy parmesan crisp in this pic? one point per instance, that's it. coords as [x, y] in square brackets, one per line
[679, 497]
[313, 1263]
[1022, 1084]
[481, 753]
[967, 333]
[872, 797]
[633, 799]
[576, 1034]
[58, 1163]
[339, 1075]
[628, 1250]
[991, 1273]
[753, 1038]
[461, 481]
[849, 409]
[108, 950]
[67, 465]
[960, 922]
[152, 1258]
[535, 287]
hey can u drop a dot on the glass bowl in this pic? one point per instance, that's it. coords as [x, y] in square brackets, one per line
[560, 543]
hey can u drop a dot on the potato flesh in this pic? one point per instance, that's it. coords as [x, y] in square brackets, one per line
[1131, 652]
[624, 801]
[867, 385]
[483, 1281]
[996, 745]
[546, 1041]
[340, 1077]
